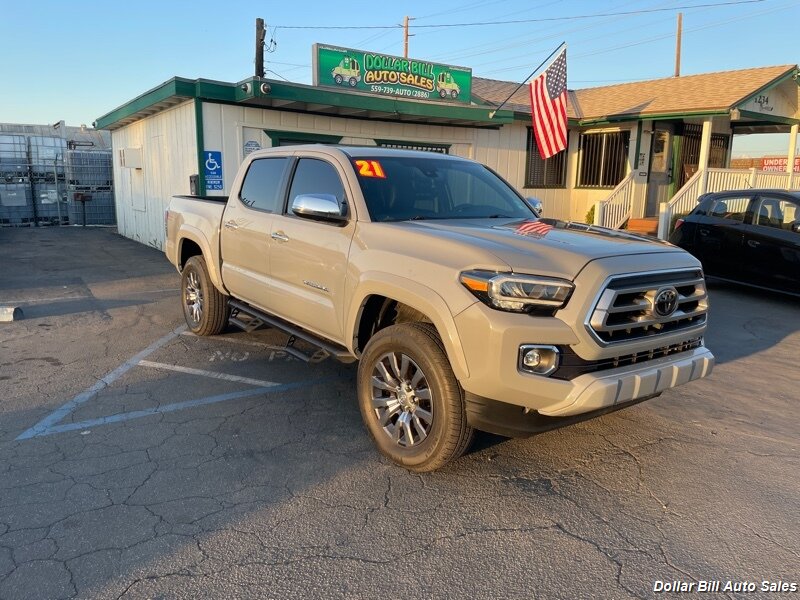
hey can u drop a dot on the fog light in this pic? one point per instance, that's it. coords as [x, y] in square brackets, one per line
[539, 360]
[532, 358]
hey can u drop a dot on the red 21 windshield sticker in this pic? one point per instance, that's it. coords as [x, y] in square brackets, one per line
[370, 168]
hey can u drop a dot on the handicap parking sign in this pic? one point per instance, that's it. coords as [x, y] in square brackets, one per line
[213, 169]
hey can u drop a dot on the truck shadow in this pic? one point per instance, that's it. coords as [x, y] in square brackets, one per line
[744, 321]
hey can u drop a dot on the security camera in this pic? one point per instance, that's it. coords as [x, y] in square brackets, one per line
[246, 88]
[265, 88]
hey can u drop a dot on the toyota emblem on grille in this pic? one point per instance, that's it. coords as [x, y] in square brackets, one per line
[665, 302]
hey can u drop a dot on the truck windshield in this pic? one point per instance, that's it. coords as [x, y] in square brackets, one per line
[398, 188]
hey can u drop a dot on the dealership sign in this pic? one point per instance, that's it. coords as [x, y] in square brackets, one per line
[778, 163]
[386, 75]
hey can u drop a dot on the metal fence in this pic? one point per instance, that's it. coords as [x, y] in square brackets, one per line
[45, 182]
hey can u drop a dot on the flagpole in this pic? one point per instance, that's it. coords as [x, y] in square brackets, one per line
[494, 112]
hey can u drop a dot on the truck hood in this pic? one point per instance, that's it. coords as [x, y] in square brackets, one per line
[544, 246]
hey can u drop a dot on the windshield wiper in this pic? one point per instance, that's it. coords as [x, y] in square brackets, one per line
[417, 218]
[498, 217]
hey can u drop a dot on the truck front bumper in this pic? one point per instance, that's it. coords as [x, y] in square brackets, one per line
[594, 391]
[491, 344]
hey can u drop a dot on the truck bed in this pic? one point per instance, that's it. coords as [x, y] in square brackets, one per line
[220, 199]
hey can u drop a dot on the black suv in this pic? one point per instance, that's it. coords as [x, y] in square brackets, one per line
[748, 236]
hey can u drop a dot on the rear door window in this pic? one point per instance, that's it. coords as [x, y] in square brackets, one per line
[776, 212]
[730, 208]
[263, 184]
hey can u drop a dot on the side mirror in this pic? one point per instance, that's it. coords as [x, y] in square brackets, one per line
[796, 226]
[320, 207]
[536, 206]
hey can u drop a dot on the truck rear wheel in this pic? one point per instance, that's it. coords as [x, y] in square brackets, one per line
[204, 307]
[410, 400]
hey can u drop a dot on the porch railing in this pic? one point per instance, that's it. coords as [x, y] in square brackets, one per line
[719, 180]
[616, 209]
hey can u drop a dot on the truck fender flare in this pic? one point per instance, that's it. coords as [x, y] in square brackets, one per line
[417, 296]
[188, 232]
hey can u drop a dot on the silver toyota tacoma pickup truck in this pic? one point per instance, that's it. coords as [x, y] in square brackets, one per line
[464, 310]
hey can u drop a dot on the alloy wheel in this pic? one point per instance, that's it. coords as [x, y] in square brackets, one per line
[193, 297]
[402, 400]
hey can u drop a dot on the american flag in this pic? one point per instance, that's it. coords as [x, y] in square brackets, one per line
[539, 228]
[549, 107]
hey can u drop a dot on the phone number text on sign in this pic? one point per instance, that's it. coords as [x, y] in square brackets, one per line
[388, 89]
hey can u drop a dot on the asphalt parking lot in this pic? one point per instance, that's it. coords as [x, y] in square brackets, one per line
[140, 462]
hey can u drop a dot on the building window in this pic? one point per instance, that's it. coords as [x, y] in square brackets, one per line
[544, 172]
[440, 148]
[602, 158]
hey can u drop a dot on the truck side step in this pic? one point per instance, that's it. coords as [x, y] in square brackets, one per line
[250, 318]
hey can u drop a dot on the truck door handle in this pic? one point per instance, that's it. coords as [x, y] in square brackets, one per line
[704, 232]
[753, 243]
[231, 225]
[279, 236]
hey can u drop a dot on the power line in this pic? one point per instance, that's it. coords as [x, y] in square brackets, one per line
[596, 15]
[462, 8]
[525, 39]
[660, 37]
[505, 57]
[519, 21]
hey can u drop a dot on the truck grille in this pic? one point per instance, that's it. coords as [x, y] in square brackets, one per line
[571, 365]
[633, 307]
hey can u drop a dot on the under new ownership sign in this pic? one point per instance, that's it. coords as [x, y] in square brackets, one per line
[778, 163]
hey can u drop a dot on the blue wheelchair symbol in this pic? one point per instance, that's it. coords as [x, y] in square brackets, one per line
[211, 163]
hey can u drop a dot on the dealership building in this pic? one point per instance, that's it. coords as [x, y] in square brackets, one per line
[638, 153]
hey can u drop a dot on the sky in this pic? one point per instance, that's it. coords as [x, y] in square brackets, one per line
[78, 60]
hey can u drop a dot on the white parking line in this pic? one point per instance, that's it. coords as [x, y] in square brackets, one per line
[90, 392]
[211, 374]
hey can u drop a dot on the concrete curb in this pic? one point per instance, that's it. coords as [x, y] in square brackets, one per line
[10, 313]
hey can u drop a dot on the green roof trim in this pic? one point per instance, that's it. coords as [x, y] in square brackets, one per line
[176, 87]
[764, 119]
[650, 117]
[258, 93]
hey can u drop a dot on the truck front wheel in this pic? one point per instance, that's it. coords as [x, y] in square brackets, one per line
[204, 307]
[410, 400]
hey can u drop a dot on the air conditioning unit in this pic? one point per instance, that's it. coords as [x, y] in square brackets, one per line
[130, 158]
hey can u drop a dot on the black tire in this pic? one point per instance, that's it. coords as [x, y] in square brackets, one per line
[453, 93]
[448, 434]
[212, 316]
[338, 79]
[353, 82]
[443, 93]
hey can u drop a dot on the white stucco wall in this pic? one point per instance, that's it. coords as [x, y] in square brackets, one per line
[169, 155]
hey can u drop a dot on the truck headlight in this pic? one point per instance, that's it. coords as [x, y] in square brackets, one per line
[517, 293]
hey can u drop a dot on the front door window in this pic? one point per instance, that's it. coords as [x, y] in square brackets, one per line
[660, 170]
[659, 163]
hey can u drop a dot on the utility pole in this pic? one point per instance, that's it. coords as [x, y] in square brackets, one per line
[678, 46]
[260, 35]
[406, 35]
